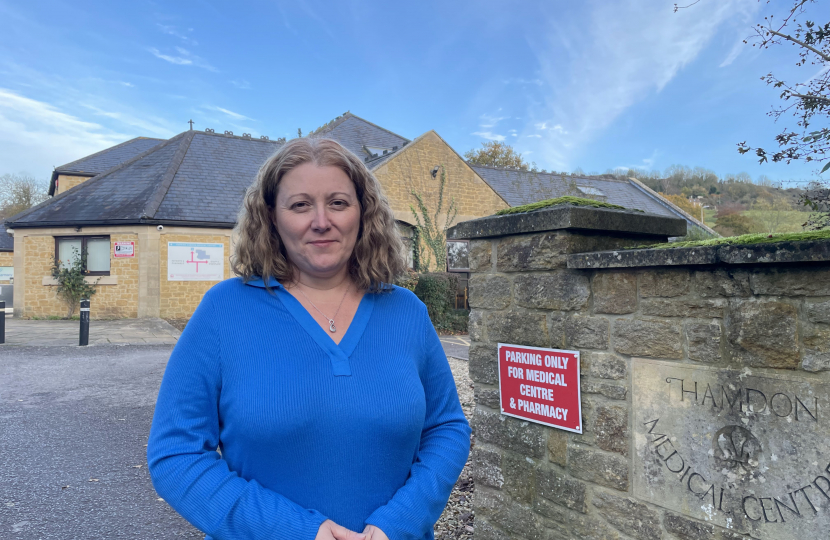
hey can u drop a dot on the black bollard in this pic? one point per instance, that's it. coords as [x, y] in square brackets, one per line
[84, 338]
[3, 322]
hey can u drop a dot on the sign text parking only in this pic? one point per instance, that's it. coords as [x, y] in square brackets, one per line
[540, 385]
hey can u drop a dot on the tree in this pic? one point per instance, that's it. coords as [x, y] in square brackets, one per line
[498, 154]
[772, 211]
[430, 231]
[19, 192]
[817, 198]
[808, 101]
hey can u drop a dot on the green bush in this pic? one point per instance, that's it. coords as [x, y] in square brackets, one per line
[437, 290]
[72, 286]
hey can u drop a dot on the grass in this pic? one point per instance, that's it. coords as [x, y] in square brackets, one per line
[790, 220]
[745, 239]
[54, 318]
[572, 201]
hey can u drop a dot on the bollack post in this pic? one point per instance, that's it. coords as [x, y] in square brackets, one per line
[2, 322]
[84, 337]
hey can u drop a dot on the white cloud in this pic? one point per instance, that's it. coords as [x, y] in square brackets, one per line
[559, 129]
[543, 126]
[172, 59]
[736, 51]
[490, 136]
[173, 31]
[535, 136]
[127, 84]
[242, 84]
[232, 114]
[185, 58]
[628, 51]
[490, 120]
[147, 126]
[537, 82]
[36, 136]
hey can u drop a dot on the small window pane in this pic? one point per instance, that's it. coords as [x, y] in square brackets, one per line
[98, 255]
[457, 256]
[68, 251]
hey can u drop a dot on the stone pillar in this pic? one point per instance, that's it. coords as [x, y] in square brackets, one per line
[535, 482]
[694, 356]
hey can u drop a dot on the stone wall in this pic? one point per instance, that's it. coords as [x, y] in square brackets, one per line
[659, 336]
[65, 182]
[136, 287]
[6, 259]
[116, 295]
[410, 169]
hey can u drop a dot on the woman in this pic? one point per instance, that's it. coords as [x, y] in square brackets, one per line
[325, 389]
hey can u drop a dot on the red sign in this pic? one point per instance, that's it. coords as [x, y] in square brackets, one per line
[540, 385]
[123, 249]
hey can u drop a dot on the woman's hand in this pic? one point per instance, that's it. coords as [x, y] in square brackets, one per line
[373, 533]
[330, 530]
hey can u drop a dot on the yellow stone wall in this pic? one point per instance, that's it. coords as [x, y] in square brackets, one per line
[65, 182]
[116, 295]
[6, 259]
[178, 299]
[410, 170]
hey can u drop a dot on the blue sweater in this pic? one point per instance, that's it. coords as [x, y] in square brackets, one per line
[367, 431]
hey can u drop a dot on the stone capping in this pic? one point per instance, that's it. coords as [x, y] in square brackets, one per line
[49, 281]
[570, 217]
[779, 252]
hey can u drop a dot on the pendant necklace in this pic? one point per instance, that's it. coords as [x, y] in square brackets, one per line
[332, 328]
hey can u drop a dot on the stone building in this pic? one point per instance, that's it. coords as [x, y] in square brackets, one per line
[141, 209]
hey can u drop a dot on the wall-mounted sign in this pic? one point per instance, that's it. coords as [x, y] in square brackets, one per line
[540, 385]
[6, 273]
[193, 261]
[123, 249]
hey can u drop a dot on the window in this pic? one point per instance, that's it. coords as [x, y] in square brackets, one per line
[457, 256]
[588, 190]
[97, 249]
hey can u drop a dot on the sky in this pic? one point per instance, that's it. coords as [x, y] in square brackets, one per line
[590, 85]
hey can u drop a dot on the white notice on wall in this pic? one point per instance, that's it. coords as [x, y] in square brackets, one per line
[193, 261]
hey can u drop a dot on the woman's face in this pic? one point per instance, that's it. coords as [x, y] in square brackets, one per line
[318, 218]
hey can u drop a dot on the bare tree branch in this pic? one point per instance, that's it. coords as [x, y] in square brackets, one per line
[801, 43]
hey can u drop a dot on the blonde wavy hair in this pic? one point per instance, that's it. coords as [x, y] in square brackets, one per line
[378, 256]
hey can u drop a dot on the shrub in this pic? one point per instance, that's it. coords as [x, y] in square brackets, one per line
[72, 286]
[736, 225]
[437, 291]
[407, 280]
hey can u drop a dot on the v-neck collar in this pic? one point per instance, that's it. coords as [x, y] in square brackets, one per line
[339, 353]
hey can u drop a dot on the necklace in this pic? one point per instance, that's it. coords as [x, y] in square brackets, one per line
[332, 328]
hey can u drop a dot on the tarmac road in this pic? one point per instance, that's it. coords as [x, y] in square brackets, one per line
[73, 428]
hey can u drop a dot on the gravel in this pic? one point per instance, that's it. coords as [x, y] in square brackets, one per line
[458, 519]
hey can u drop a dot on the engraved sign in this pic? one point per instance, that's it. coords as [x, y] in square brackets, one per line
[743, 450]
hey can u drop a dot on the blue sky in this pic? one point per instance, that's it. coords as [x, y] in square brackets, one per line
[590, 84]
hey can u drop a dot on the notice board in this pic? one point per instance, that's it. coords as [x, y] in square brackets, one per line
[540, 385]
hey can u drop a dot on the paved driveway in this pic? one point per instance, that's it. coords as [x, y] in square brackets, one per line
[119, 331]
[72, 456]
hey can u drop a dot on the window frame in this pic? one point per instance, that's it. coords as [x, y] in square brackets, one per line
[84, 240]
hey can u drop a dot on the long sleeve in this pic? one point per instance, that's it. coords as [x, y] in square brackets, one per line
[443, 451]
[185, 467]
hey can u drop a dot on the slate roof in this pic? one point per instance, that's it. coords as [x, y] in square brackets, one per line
[355, 133]
[193, 178]
[522, 187]
[6, 240]
[105, 159]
